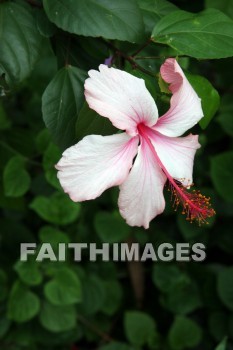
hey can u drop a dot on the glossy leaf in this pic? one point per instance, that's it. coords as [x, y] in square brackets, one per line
[121, 20]
[61, 103]
[20, 41]
[206, 35]
[210, 99]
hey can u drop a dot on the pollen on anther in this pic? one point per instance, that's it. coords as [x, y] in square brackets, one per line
[195, 205]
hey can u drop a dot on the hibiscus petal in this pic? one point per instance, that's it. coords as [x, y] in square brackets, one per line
[121, 97]
[185, 110]
[95, 164]
[141, 195]
[176, 154]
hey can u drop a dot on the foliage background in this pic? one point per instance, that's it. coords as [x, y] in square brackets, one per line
[46, 50]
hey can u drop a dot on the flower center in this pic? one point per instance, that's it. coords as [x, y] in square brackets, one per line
[195, 205]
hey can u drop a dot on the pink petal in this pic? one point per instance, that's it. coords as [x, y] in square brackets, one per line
[176, 154]
[141, 195]
[185, 110]
[95, 164]
[121, 97]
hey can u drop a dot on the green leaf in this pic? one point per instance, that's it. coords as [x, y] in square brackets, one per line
[210, 99]
[184, 333]
[181, 293]
[89, 122]
[57, 318]
[45, 27]
[167, 276]
[50, 158]
[223, 5]
[57, 209]
[94, 294]
[206, 35]
[139, 327]
[49, 234]
[222, 345]
[23, 304]
[16, 180]
[154, 10]
[64, 288]
[113, 297]
[221, 174]
[20, 41]
[29, 272]
[225, 286]
[185, 298]
[61, 103]
[111, 227]
[121, 20]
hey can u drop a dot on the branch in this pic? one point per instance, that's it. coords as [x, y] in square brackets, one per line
[130, 59]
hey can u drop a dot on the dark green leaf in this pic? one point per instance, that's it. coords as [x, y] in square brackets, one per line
[23, 304]
[20, 41]
[89, 122]
[50, 158]
[221, 173]
[153, 11]
[49, 234]
[210, 99]
[58, 209]
[208, 34]
[94, 294]
[16, 185]
[113, 297]
[29, 272]
[184, 333]
[61, 103]
[64, 288]
[57, 318]
[223, 5]
[121, 20]
[111, 227]
[139, 327]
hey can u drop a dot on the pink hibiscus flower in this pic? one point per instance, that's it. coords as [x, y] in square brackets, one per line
[100, 162]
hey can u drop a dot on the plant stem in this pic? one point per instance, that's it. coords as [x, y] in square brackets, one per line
[141, 48]
[130, 59]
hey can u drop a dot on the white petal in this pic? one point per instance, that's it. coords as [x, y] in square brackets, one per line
[185, 110]
[95, 164]
[141, 195]
[177, 155]
[121, 97]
